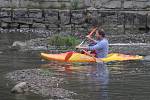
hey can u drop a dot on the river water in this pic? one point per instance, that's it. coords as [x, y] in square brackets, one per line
[127, 80]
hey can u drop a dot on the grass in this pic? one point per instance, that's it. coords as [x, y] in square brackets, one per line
[63, 40]
[75, 4]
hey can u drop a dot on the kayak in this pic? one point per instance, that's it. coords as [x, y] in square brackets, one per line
[78, 57]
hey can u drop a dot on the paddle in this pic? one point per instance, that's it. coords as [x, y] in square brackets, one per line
[88, 35]
[86, 52]
[98, 60]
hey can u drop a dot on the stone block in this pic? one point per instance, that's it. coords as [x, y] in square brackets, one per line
[113, 4]
[4, 3]
[20, 13]
[35, 13]
[65, 17]
[5, 12]
[38, 25]
[51, 16]
[140, 4]
[4, 24]
[77, 17]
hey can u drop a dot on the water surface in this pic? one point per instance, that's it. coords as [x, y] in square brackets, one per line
[128, 80]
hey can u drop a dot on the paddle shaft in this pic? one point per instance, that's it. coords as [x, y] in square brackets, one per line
[98, 60]
[89, 35]
[92, 31]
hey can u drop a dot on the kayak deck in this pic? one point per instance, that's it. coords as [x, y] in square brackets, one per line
[78, 57]
[68, 57]
[121, 57]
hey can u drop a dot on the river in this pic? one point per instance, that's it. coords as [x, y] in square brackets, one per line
[127, 80]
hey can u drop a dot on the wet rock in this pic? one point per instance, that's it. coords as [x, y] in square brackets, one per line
[18, 45]
[147, 58]
[21, 87]
[33, 44]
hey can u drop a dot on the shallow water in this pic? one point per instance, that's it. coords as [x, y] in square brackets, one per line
[127, 80]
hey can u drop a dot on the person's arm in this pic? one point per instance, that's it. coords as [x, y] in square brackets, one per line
[95, 47]
[91, 39]
[86, 47]
[81, 47]
[90, 35]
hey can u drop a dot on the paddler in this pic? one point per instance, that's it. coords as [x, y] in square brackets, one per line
[100, 46]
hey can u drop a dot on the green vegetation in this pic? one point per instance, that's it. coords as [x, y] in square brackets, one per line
[75, 4]
[63, 6]
[63, 40]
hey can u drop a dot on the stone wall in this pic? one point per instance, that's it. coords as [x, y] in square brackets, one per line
[114, 21]
[116, 16]
[75, 4]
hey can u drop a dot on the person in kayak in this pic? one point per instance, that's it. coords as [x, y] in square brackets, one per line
[100, 46]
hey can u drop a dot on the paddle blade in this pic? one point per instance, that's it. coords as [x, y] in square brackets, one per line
[69, 54]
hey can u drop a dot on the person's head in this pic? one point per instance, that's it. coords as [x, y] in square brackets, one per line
[100, 33]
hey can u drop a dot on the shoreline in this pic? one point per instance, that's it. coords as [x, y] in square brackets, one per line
[42, 82]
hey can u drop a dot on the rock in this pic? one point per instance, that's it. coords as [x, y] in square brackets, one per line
[40, 81]
[147, 58]
[91, 8]
[21, 87]
[18, 43]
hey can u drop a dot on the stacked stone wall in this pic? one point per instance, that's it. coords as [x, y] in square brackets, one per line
[114, 21]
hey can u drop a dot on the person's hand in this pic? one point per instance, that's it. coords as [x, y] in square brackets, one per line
[102, 30]
[88, 36]
[98, 60]
[78, 46]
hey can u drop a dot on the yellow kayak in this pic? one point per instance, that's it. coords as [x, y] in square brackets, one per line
[78, 57]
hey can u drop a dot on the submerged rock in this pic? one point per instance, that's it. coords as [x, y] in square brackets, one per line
[33, 44]
[18, 45]
[21, 87]
[147, 58]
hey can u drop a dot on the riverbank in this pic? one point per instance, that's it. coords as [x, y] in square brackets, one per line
[133, 42]
[42, 82]
[45, 82]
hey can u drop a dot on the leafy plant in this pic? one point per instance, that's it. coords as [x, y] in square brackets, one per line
[75, 4]
[59, 40]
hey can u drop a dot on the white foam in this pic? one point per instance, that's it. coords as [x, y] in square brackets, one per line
[132, 44]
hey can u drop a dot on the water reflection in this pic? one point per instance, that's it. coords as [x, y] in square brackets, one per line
[68, 67]
[20, 96]
[101, 75]
[90, 78]
[93, 80]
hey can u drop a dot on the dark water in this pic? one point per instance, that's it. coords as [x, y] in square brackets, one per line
[12, 61]
[127, 80]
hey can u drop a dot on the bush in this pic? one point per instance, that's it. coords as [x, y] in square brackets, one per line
[75, 4]
[59, 40]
